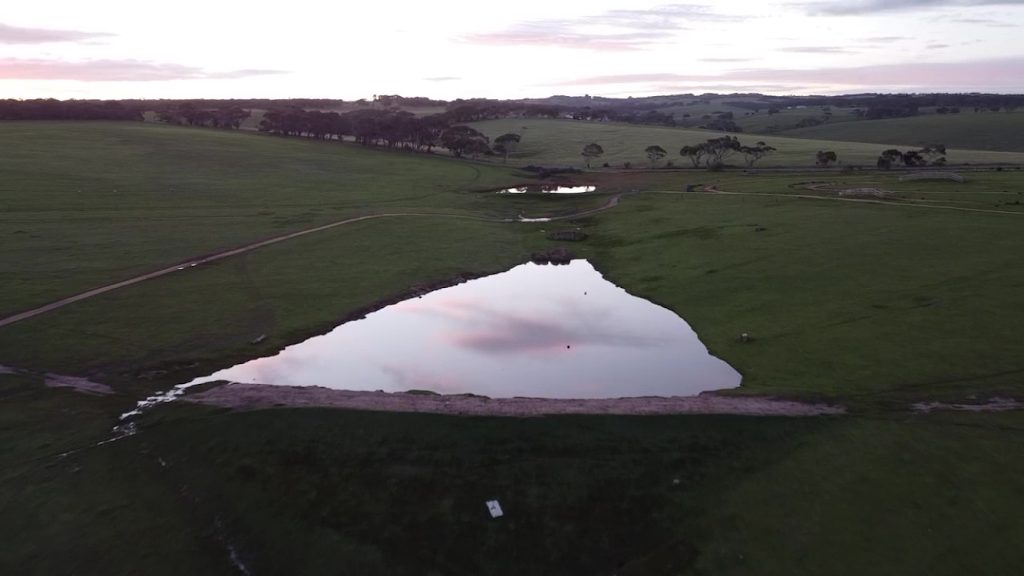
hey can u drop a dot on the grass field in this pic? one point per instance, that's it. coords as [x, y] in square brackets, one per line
[559, 142]
[984, 131]
[873, 306]
[84, 204]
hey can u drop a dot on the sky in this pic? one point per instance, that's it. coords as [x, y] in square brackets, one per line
[449, 49]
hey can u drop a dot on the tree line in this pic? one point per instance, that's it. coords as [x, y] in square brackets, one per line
[934, 155]
[710, 154]
[50, 109]
[713, 153]
[228, 117]
[389, 128]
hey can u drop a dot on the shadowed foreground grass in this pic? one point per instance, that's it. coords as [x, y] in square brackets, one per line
[304, 491]
[96, 511]
[314, 491]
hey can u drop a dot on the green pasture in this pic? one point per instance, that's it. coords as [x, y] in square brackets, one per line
[559, 142]
[85, 204]
[874, 306]
[967, 130]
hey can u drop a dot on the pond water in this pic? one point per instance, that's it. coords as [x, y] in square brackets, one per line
[547, 189]
[535, 331]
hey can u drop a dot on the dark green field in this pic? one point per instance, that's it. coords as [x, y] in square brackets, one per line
[875, 306]
[983, 131]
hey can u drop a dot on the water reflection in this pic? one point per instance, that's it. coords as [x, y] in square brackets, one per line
[548, 189]
[541, 331]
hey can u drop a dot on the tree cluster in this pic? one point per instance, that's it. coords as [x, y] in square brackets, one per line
[713, 153]
[228, 117]
[390, 128]
[934, 155]
[825, 157]
[68, 110]
[369, 127]
[476, 110]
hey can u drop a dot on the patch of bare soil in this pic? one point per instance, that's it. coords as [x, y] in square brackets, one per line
[252, 396]
[80, 384]
[993, 405]
[6, 370]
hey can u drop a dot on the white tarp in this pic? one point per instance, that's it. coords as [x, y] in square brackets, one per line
[494, 508]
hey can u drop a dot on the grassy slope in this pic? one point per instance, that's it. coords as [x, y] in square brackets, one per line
[787, 119]
[985, 131]
[285, 291]
[100, 511]
[843, 298]
[84, 204]
[558, 142]
[305, 491]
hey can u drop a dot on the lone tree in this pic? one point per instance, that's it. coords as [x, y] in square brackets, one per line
[591, 152]
[695, 153]
[506, 144]
[755, 153]
[936, 154]
[654, 153]
[889, 158]
[894, 156]
[913, 158]
[476, 147]
[718, 149]
[824, 158]
[461, 139]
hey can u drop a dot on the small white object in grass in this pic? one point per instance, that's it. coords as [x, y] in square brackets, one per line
[494, 508]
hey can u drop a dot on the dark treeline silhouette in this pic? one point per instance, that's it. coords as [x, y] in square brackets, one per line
[390, 128]
[228, 117]
[410, 101]
[245, 103]
[476, 110]
[68, 110]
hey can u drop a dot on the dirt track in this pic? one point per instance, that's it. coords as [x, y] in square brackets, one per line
[253, 396]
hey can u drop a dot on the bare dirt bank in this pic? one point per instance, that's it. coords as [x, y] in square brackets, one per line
[253, 396]
[992, 405]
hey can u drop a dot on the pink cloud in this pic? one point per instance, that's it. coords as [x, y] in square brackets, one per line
[1005, 74]
[18, 35]
[113, 71]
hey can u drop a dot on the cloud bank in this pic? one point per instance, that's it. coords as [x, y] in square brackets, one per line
[620, 30]
[1004, 75]
[864, 7]
[113, 71]
[18, 35]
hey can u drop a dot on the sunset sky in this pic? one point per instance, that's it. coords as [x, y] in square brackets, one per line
[528, 48]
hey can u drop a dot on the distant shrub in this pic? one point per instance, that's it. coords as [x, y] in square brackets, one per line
[628, 165]
[547, 172]
[605, 165]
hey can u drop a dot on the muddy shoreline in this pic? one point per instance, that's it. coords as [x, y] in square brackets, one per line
[255, 396]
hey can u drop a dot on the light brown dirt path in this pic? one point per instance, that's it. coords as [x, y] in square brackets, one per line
[254, 396]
